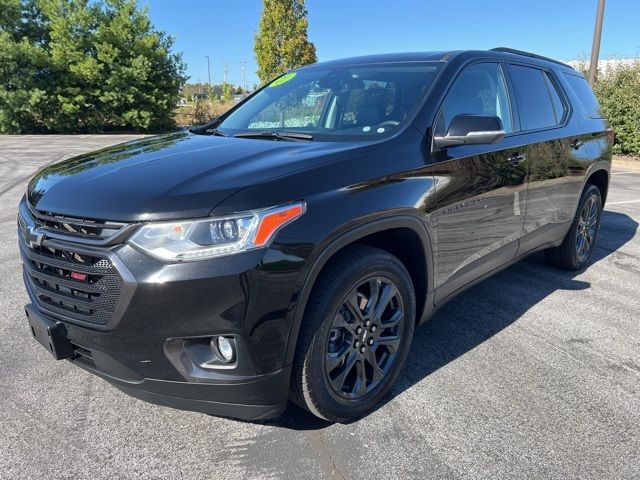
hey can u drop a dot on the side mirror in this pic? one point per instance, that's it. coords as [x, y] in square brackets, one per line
[471, 130]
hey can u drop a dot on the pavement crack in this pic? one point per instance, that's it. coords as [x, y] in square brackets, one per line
[328, 462]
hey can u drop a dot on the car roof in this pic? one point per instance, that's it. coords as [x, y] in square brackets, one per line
[385, 58]
[443, 56]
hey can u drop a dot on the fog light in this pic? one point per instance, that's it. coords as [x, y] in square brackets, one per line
[224, 348]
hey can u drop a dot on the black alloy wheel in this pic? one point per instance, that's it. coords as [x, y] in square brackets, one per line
[587, 228]
[364, 338]
[355, 334]
[577, 247]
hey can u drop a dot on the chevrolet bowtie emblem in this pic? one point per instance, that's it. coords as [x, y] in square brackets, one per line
[33, 236]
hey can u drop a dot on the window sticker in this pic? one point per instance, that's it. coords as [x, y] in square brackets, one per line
[283, 79]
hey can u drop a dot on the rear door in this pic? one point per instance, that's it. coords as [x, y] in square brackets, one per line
[480, 189]
[555, 169]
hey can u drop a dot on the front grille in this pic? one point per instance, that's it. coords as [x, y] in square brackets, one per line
[84, 288]
[80, 228]
[68, 270]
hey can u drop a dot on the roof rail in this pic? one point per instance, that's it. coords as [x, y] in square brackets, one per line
[529, 54]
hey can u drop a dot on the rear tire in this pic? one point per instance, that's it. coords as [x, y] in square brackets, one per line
[578, 246]
[355, 334]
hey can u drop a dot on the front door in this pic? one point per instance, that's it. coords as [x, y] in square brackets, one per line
[480, 189]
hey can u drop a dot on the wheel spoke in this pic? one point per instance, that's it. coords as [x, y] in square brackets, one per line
[394, 320]
[583, 246]
[373, 361]
[391, 342]
[351, 303]
[341, 322]
[360, 385]
[374, 292]
[581, 221]
[388, 292]
[338, 381]
[336, 358]
[584, 214]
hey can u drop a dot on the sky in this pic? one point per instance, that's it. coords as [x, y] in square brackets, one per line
[562, 29]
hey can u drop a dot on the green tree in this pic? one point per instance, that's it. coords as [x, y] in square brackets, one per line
[143, 78]
[24, 66]
[618, 92]
[227, 92]
[202, 112]
[281, 42]
[617, 88]
[81, 65]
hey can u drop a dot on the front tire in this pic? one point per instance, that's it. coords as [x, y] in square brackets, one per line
[355, 335]
[578, 246]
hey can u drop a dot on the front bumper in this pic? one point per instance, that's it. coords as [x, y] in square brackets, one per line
[249, 398]
[248, 296]
[257, 398]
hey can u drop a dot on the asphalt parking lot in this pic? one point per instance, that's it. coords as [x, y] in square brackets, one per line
[533, 373]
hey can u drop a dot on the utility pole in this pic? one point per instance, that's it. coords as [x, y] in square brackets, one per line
[244, 76]
[226, 68]
[595, 48]
[209, 72]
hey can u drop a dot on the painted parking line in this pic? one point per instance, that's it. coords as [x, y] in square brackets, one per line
[620, 203]
[625, 173]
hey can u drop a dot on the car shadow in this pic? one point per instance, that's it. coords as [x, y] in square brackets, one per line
[480, 313]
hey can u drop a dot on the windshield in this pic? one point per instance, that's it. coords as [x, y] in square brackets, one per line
[336, 103]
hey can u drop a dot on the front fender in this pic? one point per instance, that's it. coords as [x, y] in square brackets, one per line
[327, 249]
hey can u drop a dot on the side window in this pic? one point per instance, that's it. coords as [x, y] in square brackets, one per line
[535, 102]
[479, 90]
[583, 91]
[558, 107]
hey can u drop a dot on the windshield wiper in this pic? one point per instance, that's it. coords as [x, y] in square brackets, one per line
[215, 131]
[275, 135]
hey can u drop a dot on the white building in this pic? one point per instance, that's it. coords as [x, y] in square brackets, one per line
[604, 66]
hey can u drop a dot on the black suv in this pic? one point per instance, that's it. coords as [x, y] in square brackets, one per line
[288, 248]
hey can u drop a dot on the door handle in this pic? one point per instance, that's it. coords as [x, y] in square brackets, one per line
[576, 144]
[516, 159]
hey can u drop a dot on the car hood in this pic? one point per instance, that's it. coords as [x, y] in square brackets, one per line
[178, 175]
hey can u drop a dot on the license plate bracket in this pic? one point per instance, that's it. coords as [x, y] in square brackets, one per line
[50, 334]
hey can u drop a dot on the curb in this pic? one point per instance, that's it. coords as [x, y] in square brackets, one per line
[626, 163]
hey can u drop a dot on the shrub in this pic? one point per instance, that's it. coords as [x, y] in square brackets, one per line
[618, 91]
[200, 112]
[78, 66]
[617, 88]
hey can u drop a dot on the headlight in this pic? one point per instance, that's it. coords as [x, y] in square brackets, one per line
[214, 236]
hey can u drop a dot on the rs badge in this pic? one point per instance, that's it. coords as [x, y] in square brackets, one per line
[79, 276]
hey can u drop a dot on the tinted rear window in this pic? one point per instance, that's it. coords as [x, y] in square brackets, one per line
[558, 106]
[534, 100]
[583, 91]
